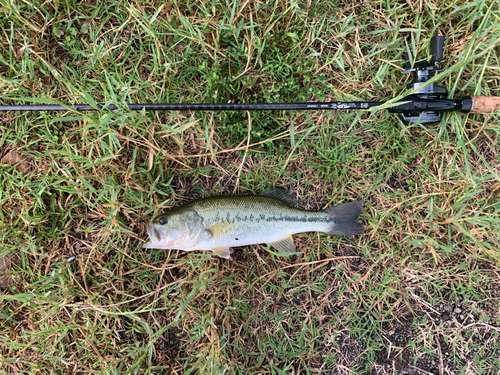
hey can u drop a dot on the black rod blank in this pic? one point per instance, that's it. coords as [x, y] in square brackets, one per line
[197, 107]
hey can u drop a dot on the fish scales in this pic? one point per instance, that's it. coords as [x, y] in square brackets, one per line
[222, 222]
[257, 219]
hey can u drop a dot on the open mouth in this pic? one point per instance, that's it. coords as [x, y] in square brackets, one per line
[157, 238]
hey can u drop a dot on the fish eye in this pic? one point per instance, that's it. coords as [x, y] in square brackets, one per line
[163, 221]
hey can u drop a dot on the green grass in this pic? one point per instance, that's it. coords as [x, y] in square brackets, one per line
[418, 293]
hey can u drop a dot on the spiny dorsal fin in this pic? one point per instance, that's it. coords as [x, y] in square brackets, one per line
[284, 246]
[283, 195]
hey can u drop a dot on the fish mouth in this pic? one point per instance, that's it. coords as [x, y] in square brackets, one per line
[157, 238]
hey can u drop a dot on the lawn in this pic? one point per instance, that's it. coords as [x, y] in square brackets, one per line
[418, 293]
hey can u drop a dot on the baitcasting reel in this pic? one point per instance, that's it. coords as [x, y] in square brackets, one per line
[421, 73]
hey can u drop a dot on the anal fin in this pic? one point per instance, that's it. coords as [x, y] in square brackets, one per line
[223, 252]
[285, 245]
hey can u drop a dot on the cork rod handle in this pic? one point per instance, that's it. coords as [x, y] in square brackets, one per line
[485, 104]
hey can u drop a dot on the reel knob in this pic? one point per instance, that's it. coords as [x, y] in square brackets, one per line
[437, 44]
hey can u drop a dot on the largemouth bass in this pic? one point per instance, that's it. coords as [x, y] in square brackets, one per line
[222, 222]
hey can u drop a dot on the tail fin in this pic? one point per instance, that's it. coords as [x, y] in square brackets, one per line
[346, 221]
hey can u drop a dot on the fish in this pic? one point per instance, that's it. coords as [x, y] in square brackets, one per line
[219, 223]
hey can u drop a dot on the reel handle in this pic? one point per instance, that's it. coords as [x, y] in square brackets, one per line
[437, 44]
[485, 104]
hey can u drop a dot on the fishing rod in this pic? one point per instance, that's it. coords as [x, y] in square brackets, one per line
[425, 105]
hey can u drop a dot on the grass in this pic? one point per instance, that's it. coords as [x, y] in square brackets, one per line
[417, 294]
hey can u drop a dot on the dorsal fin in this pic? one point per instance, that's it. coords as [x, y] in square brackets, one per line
[283, 195]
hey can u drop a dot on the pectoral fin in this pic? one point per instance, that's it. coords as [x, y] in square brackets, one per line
[220, 230]
[223, 252]
[284, 246]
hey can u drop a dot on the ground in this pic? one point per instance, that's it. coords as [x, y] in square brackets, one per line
[417, 293]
